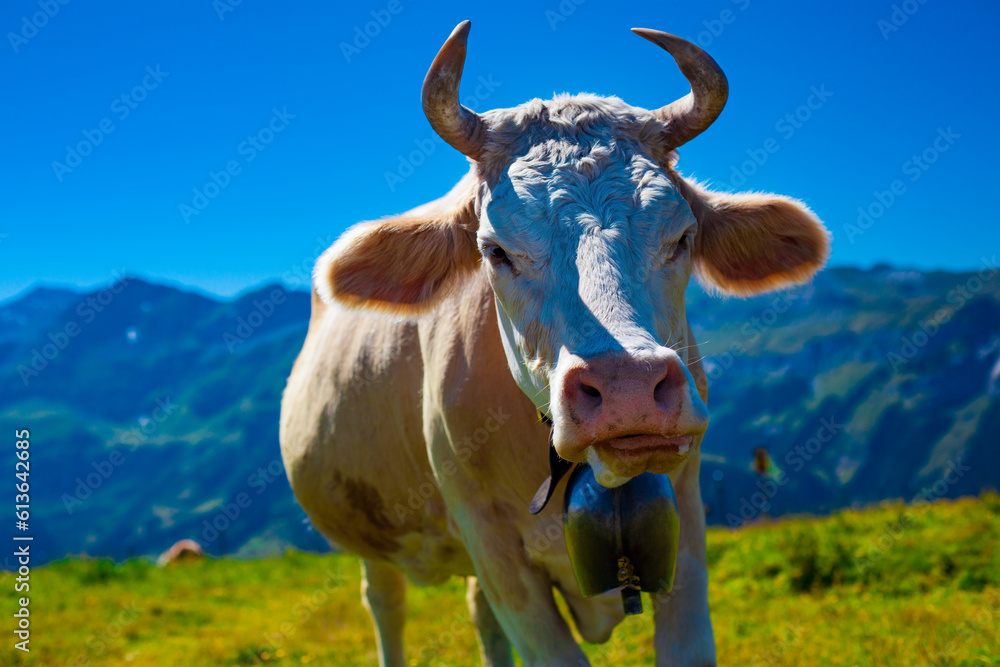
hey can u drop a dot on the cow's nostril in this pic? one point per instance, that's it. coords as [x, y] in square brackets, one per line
[661, 392]
[589, 390]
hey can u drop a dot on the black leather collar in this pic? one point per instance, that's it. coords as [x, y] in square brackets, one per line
[558, 468]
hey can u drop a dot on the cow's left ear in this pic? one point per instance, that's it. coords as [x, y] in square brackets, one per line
[749, 243]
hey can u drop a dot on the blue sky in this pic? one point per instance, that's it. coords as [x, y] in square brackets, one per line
[313, 122]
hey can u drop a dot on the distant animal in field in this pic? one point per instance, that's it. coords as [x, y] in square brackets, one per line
[550, 281]
[761, 461]
[182, 550]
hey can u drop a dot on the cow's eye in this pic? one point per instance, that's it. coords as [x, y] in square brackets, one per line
[498, 256]
[682, 245]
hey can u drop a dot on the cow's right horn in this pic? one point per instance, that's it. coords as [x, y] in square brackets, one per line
[460, 127]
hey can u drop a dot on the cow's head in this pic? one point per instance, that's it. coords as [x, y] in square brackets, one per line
[588, 237]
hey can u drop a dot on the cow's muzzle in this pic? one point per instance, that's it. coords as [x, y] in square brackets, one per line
[629, 412]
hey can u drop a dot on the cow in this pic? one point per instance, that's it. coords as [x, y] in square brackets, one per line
[181, 551]
[549, 282]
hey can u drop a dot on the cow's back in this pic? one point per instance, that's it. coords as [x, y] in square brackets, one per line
[353, 445]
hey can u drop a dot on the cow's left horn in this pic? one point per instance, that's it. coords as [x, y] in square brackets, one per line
[692, 114]
[460, 127]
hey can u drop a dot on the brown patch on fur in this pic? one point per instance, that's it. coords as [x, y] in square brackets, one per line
[365, 525]
[365, 498]
[750, 243]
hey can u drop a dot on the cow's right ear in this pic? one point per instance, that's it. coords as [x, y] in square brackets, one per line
[403, 264]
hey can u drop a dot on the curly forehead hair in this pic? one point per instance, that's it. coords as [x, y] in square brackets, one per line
[569, 130]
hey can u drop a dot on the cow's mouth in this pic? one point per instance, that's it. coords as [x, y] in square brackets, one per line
[646, 443]
[630, 455]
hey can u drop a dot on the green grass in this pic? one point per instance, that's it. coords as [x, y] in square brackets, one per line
[895, 585]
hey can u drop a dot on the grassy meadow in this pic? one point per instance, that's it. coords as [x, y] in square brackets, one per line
[894, 585]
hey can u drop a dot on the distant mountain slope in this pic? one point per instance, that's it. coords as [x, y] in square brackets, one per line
[155, 417]
[154, 411]
[863, 385]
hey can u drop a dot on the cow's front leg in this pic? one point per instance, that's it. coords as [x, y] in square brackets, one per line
[519, 593]
[494, 648]
[683, 633]
[683, 626]
[383, 592]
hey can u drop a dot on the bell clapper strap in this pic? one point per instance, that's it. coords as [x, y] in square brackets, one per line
[631, 599]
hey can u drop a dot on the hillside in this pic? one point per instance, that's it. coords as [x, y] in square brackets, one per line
[863, 385]
[897, 585]
[153, 409]
[192, 415]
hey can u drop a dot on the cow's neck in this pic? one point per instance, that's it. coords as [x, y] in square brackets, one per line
[475, 415]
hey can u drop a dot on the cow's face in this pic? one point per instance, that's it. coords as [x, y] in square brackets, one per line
[587, 244]
[588, 237]
[589, 251]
